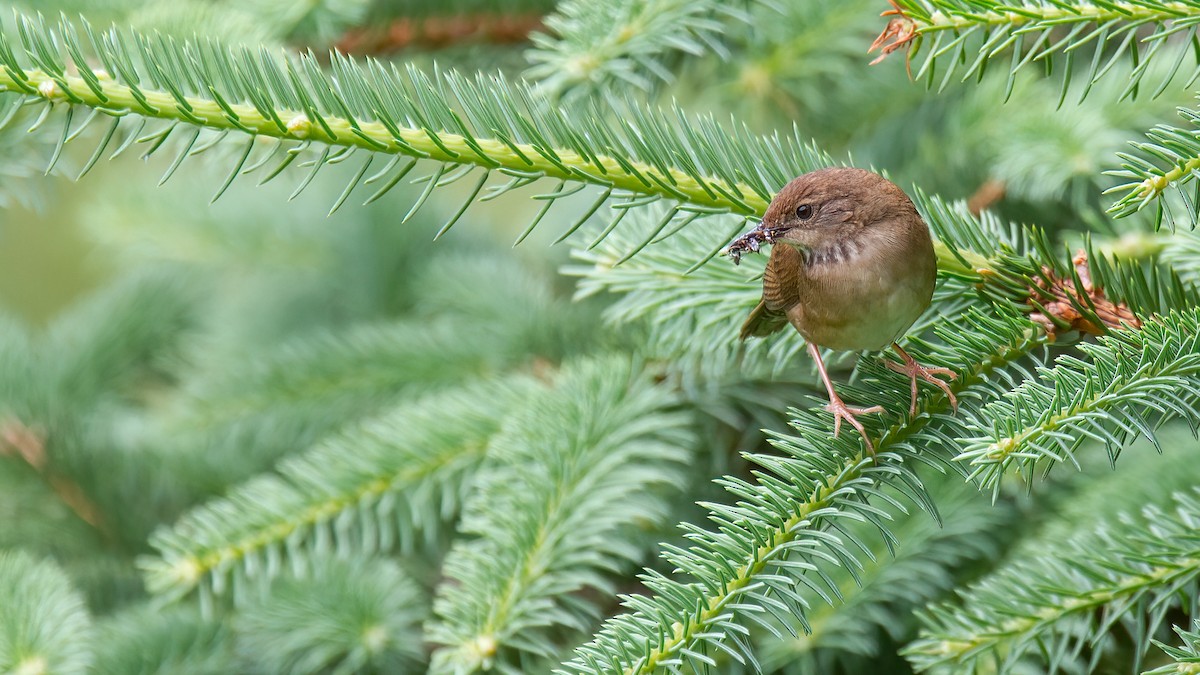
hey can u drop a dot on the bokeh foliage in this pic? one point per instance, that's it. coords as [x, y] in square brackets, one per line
[309, 410]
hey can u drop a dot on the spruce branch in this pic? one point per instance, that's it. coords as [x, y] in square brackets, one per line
[376, 487]
[604, 45]
[1187, 657]
[797, 50]
[149, 640]
[473, 315]
[881, 600]
[966, 35]
[463, 125]
[1165, 164]
[117, 338]
[574, 471]
[337, 616]
[37, 519]
[98, 349]
[1134, 568]
[94, 354]
[765, 547]
[44, 623]
[1127, 385]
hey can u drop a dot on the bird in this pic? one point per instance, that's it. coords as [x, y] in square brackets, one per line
[852, 267]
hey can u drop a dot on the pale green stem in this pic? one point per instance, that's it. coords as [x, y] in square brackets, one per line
[374, 136]
[1155, 185]
[1083, 12]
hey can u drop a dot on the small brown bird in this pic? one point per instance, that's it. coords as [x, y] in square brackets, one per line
[852, 267]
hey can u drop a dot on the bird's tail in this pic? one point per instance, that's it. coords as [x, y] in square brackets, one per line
[763, 321]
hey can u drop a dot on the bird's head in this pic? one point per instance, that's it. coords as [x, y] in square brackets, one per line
[823, 206]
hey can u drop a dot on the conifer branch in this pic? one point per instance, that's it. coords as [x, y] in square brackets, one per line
[962, 14]
[1135, 567]
[331, 374]
[764, 547]
[377, 487]
[1129, 384]
[339, 616]
[549, 513]
[522, 160]
[461, 124]
[597, 45]
[44, 627]
[147, 640]
[965, 35]
[880, 598]
[1169, 159]
[1187, 657]
[96, 351]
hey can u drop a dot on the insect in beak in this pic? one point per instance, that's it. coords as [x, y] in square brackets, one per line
[752, 241]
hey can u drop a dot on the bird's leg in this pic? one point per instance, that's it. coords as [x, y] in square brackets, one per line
[840, 410]
[913, 370]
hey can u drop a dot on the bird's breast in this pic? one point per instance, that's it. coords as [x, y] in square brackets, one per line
[865, 302]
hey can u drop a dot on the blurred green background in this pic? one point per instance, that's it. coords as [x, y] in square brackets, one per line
[172, 350]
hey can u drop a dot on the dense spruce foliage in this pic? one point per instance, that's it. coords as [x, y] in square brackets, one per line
[279, 392]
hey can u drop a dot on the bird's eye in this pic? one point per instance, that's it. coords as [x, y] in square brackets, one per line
[804, 211]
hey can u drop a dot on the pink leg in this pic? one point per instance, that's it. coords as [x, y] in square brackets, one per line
[913, 370]
[840, 410]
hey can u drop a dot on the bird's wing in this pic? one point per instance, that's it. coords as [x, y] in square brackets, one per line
[781, 290]
[763, 321]
[781, 280]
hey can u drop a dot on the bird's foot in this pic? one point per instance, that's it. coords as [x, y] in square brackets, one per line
[841, 411]
[914, 370]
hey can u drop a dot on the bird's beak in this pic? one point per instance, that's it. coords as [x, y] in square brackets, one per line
[769, 233]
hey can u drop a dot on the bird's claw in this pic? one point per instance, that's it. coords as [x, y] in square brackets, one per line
[914, 370]
[841, 411]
